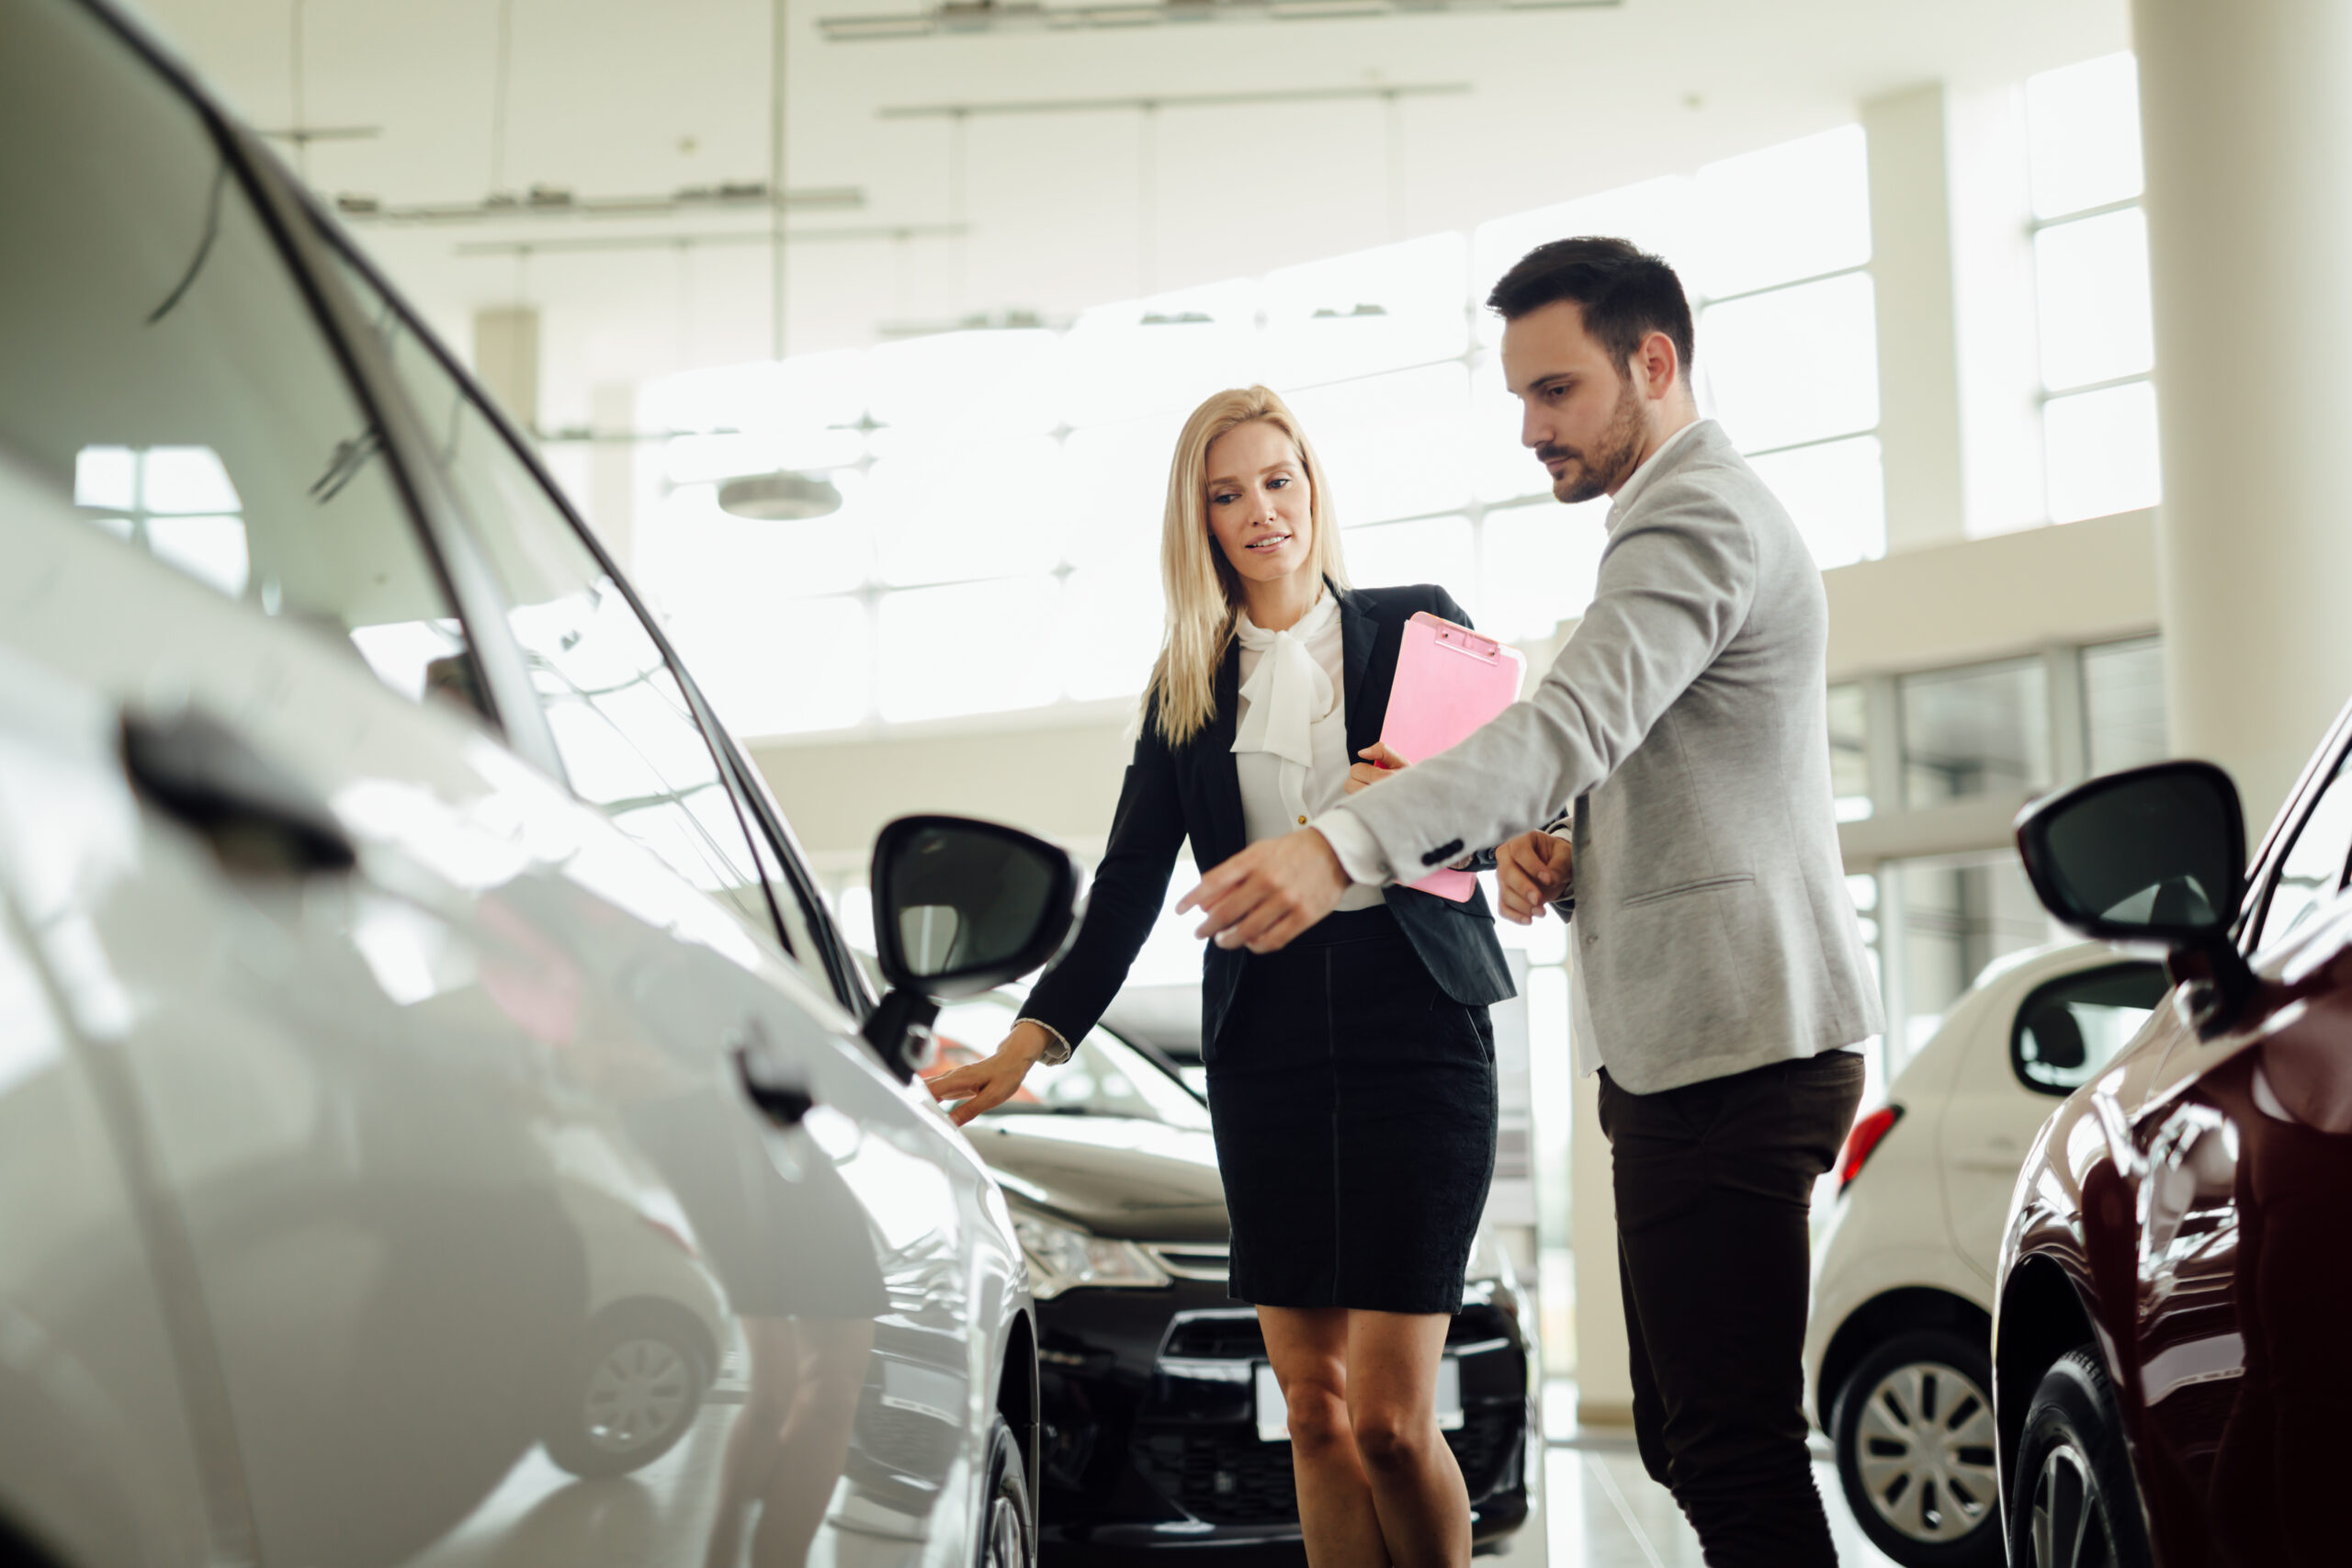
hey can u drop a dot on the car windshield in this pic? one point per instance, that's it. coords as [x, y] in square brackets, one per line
[1104, 1076]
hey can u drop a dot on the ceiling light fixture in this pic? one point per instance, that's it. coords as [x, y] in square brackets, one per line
[782, 497]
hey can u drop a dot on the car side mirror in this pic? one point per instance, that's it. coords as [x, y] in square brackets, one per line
[2150, 856]
[960, 906]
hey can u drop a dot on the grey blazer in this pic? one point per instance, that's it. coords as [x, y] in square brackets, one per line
[1685, 720]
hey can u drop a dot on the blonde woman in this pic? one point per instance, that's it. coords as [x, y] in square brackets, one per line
[1351, 1075]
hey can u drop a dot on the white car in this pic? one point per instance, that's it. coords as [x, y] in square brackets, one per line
[423, 1056]
[1898, 1347]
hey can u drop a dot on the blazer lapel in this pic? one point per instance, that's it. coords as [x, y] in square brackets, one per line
[1220, 781]
[1366, 707]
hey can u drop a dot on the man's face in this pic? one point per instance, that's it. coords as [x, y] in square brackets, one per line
[1580, 412]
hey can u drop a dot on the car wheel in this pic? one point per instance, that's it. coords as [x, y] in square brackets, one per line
[2077, 1506]
[1913, 1428]
[1008, 1528]
[634, 1391]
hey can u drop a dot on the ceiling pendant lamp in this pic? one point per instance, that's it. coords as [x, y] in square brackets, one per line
[782, 497]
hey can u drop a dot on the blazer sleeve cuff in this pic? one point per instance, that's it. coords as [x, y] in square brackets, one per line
[1358, 850]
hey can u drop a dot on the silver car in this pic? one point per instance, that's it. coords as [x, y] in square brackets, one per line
[439, 1123]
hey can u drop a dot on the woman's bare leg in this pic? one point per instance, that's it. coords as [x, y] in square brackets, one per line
[812, 1443]
[1309, 1352]
[1417, 1487]
[774, 1348]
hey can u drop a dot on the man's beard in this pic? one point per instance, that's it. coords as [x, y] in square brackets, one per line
[1612, 461]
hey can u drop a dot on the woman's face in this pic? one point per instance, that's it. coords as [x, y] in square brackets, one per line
[1259, 502]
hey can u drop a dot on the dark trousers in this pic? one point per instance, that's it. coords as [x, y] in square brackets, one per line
[1713, 1182]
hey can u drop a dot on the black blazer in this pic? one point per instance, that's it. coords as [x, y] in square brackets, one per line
[1192, 791]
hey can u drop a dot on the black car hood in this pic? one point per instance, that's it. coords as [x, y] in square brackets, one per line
[1130, 1180]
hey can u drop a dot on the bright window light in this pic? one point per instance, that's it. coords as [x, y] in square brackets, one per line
[2083, 135]
[1540, 563]
[1837, 493]
[185, 480]
[108, 476]
[959, 509]
[210, 549]
[1119, 619]
[1435, 549]
[1392, 445]
[1159, 355]
[1373, 311]
[1796, 210]
[800, 666]
[975, 648]
[1001, 380]
[2103, 457]
[2093, 283]
[1113, 496]
[1795, 365]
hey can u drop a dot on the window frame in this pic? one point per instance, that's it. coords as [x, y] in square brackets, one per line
[2329, 763]
[2060, 982]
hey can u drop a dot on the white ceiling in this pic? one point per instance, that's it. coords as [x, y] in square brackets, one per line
[610, 98]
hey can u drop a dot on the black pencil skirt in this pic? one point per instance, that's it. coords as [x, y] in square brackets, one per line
[1353, 1103]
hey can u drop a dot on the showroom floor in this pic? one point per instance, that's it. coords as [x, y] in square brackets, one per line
[1601, 1509]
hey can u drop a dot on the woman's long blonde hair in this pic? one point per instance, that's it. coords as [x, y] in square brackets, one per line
[1204, 590]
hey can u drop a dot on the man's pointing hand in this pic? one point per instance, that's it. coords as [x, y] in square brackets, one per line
[1269, 893]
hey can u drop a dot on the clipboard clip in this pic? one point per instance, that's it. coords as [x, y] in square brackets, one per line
[1470, 645]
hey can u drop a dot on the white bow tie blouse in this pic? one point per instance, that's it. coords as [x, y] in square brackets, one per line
[1290, 742]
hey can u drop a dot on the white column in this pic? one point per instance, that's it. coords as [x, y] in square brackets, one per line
[1911, 270]
[506, 357]
[2246, 110]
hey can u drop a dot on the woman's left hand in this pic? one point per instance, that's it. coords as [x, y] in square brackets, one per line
[1383, 762]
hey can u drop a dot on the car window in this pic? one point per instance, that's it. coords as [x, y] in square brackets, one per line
[2312, 868]
[620, 719]
[164, 368]
[2069, 1028]
[1104, 1075]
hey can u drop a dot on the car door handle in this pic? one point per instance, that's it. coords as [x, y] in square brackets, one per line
[256, 815]
[782, 1101]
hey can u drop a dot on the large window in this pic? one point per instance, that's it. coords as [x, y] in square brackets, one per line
[1959, 749]
[998, 545]
[2090, 256]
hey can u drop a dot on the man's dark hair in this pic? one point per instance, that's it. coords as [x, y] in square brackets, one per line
[1625, 292]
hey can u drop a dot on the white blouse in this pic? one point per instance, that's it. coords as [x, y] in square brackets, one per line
[1290, 742]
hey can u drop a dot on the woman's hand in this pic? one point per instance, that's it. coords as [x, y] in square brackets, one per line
[1532, 871]
[1382, 762]
[983, 1086]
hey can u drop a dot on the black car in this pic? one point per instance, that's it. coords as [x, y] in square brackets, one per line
[1162, 1422]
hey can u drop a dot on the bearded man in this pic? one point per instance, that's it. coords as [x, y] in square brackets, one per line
[1720, 977]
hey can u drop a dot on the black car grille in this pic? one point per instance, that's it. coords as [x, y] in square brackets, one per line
[1229, 1477]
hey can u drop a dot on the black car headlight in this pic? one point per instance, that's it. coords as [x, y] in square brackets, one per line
[1064, 1258]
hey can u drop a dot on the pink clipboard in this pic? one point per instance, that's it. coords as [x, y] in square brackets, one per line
[1449, 681]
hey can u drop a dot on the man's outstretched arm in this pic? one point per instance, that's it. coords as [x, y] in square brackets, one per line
[1675, 588]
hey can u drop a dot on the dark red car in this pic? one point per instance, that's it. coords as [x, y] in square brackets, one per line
[2172, 1339]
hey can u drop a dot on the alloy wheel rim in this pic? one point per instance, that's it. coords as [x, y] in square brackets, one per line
[1005, 1535]
[2069, 1525]
[1924, 1448]
[636, 1395]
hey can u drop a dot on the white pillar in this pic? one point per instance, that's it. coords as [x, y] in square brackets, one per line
[1911, 269]
[1993, 309]
[2247, 115]
[506, 357]
[612, 480]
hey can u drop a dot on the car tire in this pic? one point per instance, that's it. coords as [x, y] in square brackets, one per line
[2075, 1504]
[1916, 1444]
[1007, 1522]
[633, 1393]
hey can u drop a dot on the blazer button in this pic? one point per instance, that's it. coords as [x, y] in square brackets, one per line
[1302, 821]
